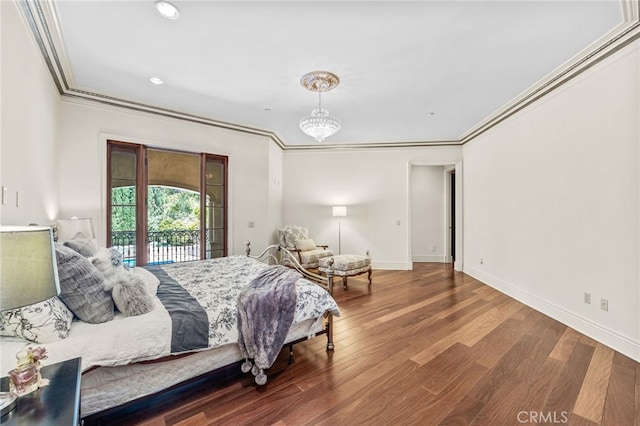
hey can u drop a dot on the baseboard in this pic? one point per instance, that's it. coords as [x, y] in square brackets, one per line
[427, 258]
[394, 266]
[604, 335]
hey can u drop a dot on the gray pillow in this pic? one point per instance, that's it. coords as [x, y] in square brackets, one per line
[82, 287]
[82, 244]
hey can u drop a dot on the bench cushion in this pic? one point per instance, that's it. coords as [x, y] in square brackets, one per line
[347, 262]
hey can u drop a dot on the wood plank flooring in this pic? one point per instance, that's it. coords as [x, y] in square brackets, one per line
[426, 347]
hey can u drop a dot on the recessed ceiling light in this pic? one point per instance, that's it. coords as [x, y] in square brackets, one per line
[156, 80]
[166, 9]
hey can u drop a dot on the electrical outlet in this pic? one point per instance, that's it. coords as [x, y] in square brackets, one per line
[604, 304]
[433, 248]
[481, 261]
[252, 224]
[587, 298]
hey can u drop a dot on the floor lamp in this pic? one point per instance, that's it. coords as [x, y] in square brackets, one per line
[339, 211]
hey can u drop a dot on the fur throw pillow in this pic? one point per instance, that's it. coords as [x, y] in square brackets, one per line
[129, 292]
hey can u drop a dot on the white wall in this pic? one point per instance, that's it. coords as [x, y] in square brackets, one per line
[427, 214]
[276, 160]
[85, 128]
[29, 116]
[551, 203]
[375, 187]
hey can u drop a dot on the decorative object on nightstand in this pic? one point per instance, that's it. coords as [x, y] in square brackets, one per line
[26, 378]
[28, 274]
[339, 211]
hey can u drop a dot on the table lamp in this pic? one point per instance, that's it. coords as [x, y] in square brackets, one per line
[68, 228]
[28, 275]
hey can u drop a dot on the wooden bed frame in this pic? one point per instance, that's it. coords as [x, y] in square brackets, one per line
[273, 254]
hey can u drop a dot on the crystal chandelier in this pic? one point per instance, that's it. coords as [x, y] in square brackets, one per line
[319, 125]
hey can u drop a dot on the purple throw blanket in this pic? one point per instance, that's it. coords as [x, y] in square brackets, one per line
[266, 307]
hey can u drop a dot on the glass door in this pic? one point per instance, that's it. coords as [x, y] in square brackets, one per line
[215, 206]
[166, 206]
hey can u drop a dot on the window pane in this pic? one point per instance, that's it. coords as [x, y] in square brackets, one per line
[218, 217]
[215, 173]
[123, 165]
[122, 194]
[214, 254]
[215, 217]
[123, 232]
[215, 196]
[123, 218]
[215, 238]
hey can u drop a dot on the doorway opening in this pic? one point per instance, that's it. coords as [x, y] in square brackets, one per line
[165, 206]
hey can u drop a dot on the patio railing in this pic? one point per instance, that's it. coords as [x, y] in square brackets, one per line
[163, 246]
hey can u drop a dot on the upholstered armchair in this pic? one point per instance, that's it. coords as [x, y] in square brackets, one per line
[296, 239]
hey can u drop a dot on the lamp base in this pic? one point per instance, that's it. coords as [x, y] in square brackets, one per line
[8, 402]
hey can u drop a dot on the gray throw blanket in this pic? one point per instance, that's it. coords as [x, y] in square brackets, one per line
[266, 307]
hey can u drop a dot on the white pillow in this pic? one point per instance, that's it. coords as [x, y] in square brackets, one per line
[41, 322]
[150, 280]
[305, 244]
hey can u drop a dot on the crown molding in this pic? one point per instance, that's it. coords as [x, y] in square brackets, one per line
[372, 145]
[41, 17]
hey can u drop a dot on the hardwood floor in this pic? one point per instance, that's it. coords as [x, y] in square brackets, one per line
[429, 346]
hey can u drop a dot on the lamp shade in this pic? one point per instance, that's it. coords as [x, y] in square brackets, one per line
[68, 228]
[339, 210]
[28, 268]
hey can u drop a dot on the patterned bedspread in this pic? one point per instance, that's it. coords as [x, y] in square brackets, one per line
[216, 284]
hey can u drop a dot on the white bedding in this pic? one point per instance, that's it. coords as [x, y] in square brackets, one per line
[108, 343]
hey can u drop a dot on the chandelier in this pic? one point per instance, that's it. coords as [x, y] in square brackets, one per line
[319, 125]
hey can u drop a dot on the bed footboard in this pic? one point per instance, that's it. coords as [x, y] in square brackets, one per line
[278, 255]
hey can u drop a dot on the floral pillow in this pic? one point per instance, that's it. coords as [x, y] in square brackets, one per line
[41, 322]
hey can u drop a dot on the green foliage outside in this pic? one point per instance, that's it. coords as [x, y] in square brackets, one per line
[173, 209]
[170, 209]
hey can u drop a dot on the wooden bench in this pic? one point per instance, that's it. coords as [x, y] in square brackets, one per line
[347, 265]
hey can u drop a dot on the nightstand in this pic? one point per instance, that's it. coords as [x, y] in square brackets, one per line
[58, 403]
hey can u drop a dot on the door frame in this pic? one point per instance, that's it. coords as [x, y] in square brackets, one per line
[104, 225]
[449, 226]
[449, 166]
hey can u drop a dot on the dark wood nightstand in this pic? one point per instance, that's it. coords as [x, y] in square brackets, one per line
[58, 403]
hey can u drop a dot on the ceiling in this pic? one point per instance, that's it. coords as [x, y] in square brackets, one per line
[422, 72]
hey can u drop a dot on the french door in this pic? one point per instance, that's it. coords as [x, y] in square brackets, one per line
[166, 206]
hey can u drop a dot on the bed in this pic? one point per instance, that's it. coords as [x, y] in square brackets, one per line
[131, 357]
